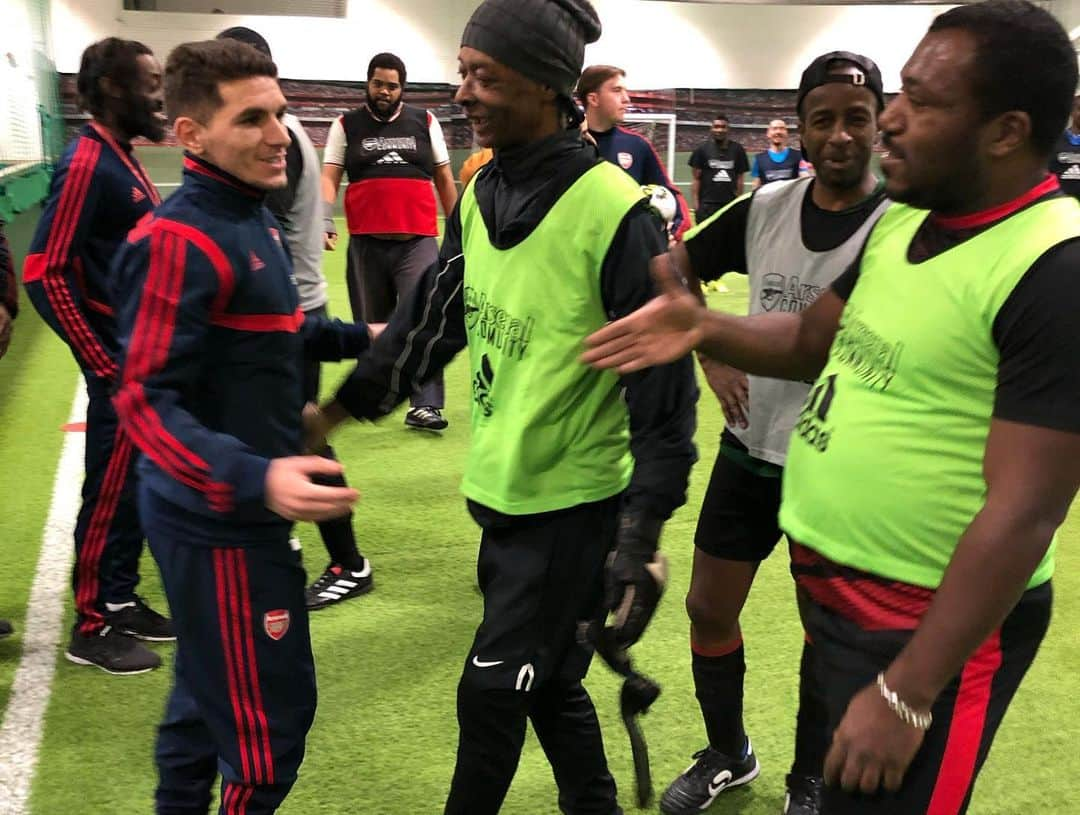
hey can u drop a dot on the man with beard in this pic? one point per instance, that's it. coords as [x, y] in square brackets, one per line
[792, 239]
[779, 162]
[1065, 160]
[718, 165]
[547, 241]
[391, 153]
[99, 192]
[939, 449]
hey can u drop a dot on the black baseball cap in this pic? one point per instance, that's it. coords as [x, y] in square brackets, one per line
[819, 73]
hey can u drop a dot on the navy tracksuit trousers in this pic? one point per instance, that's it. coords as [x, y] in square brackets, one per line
[108, 537]
[243, 697]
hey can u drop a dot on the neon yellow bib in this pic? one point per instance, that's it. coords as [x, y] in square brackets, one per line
[884, 472]
[547, 432]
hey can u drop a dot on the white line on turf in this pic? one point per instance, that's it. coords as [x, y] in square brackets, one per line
[24, 719]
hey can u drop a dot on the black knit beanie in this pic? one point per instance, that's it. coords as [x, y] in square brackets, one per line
[543, 40]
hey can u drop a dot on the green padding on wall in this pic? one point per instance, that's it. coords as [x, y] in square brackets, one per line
[22, 189]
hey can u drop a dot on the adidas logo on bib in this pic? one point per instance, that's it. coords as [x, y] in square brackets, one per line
[392, 158]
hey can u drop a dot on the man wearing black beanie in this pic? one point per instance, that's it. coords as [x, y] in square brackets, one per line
[567, 471]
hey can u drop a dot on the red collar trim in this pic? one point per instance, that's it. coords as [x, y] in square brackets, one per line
[202, 168]
[128, 157]
[989, 216]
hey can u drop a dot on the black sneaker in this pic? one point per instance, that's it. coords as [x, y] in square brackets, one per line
[425, 418]
[138, 620]
[803, 795]
[711, 773]
[5, 629]
[338, 583]
[113, 652]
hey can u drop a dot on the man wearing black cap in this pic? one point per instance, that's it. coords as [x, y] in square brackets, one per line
[792, 238]
[564, 464]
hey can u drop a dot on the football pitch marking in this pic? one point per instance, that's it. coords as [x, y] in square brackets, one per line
[24, 719]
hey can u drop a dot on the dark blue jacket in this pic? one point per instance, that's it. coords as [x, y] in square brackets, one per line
[214, 341]
[636, 155]
[99, 192]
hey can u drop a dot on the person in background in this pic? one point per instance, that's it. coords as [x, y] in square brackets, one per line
[719, 165]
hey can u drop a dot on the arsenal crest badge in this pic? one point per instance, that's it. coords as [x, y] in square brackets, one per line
[626, 160]
[276, 623]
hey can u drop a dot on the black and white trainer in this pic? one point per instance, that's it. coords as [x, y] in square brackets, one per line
[426, 418]
[803, 795]
[111, 651]
[338, 583]
[711, 773]
[136, 619]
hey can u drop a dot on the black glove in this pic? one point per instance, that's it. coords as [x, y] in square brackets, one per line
[635, 577]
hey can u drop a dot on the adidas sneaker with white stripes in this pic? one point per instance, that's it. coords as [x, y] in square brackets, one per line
[338, 583]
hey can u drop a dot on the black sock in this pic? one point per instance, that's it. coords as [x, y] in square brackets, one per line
[337, 533]
[812, 722]
[719, 684]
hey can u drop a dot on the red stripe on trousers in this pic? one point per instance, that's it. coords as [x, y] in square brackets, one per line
[966, 729]
[221, 577]
[253, 670]
[97, 534]
[242, 670]
[236, 798]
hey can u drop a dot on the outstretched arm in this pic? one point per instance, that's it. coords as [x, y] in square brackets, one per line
[671, 325]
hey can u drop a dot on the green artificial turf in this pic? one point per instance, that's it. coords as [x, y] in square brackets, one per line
[385, 734]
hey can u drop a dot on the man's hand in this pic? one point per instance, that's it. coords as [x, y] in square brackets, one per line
[330, 241]
[634, 578]
[871, 747]
[292, 495]
[732, 389]
[666, 328]
[7, 327]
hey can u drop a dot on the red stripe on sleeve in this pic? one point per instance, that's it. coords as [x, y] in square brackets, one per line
[57, 256]
[148, 351]
[966, 729]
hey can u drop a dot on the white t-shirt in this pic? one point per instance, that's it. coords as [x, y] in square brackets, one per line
[335, 142]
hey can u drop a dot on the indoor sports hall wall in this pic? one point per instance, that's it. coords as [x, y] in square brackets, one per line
[662, 45]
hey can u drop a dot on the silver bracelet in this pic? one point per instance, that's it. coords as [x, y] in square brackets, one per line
[902, 709]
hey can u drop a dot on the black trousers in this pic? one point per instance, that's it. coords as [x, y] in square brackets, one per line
[108, 536]
[243, 695]
[859, 626]
[379, 273]
[541, 577]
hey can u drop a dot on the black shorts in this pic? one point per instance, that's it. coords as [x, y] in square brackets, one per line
[740, 513]
[542, 578]
[859, 623]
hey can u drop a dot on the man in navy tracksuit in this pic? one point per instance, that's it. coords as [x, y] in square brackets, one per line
[603, 95]
[99, 192]
[211, 394]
